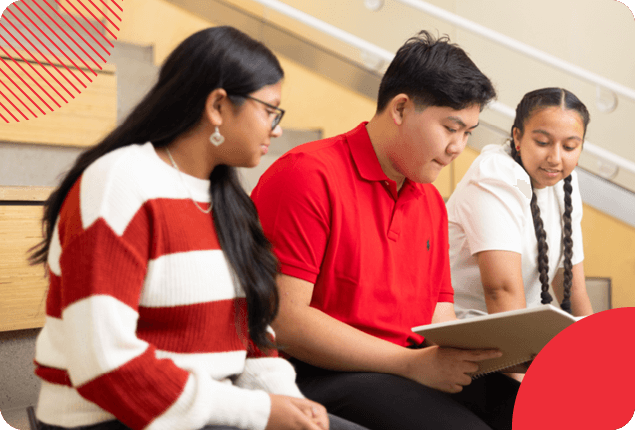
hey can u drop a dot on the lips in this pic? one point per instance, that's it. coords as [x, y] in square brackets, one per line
[551, 173]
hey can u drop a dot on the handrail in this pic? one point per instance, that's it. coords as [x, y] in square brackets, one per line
[589, 147]
[385, 55]
[329, 29]
[520, 47]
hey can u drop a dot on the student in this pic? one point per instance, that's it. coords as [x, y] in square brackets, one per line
[162, 284]
[515, 216]
[361, 236]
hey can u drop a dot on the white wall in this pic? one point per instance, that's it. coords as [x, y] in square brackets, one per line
[598, 35]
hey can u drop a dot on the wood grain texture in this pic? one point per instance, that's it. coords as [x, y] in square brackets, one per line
[80, 121]
[22, 287]
[24, 194]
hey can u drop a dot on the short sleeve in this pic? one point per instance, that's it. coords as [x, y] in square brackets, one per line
[491, 205]
[292, 199]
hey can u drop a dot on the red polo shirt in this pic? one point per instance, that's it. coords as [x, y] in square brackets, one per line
[379, 259]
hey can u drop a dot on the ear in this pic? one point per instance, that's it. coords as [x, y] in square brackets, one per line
[215, 106]
[517, 136]
[397, 107]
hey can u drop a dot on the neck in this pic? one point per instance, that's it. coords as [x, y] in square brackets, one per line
[193, 155]
[383, 134]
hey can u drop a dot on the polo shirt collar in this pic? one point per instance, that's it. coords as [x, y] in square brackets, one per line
[364, 155]
[366, 160]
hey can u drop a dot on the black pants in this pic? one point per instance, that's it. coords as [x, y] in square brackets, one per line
[335, 423]
[381, 401]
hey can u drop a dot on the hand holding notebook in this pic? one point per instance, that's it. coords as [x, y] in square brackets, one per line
[519, 334]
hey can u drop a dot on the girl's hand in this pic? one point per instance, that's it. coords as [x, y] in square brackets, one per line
[291, 413]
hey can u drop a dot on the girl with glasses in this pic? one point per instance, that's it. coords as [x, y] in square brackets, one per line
[162, 284]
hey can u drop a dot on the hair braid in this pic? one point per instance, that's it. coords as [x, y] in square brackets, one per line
[568, 245]
[543, 250]
[530, 103]
[541, 238]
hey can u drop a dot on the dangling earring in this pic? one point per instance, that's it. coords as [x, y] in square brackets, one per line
[517, 148]
[216, 138]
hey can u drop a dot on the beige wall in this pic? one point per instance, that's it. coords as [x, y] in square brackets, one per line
[598, 35]
[313, 102]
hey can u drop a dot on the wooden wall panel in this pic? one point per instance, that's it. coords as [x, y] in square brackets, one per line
[22, 287]
[80, 122]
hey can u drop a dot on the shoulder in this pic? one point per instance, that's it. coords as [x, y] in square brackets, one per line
[305, 166]
[433, 196]
[494, 169]
[116, 185]
[318, 154]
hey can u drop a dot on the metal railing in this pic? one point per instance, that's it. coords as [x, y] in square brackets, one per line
[520, 47]
[386, 56]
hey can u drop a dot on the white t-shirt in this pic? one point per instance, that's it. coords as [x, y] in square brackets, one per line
[490, 210]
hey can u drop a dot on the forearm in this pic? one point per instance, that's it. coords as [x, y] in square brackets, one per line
[501, 277]
[580, 302]
[502, 299]
[316, 338]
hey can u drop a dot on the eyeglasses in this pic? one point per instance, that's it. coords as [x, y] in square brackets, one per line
[279, 112]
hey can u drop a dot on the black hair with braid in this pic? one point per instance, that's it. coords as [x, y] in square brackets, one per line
[528, 106]
[218, 57]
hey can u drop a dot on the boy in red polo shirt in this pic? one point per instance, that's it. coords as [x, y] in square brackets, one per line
[361, 236]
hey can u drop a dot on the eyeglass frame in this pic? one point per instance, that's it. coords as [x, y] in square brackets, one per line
[279, 112]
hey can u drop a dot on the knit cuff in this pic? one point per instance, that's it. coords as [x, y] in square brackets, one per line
[273, 375]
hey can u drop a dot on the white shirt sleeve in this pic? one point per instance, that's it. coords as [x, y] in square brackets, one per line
[493, 203]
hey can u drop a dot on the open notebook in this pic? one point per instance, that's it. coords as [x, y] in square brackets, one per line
[519, 334]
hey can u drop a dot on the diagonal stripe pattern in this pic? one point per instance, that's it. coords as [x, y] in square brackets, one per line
[50, 51]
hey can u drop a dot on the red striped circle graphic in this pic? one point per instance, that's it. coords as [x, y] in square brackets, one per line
[50, 50]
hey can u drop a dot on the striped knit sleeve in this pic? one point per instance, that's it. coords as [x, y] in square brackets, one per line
[93, 306]
[264, 370]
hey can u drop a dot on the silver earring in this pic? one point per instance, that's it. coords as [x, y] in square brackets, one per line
[216, 138]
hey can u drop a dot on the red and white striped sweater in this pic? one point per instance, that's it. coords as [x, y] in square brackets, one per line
[141, 310]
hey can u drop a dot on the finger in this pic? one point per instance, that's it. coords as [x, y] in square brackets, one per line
[306, 421]
[481, 355]
[470, 367]
[464, 380]
[321, 417]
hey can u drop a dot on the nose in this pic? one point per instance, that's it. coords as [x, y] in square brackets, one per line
[554, 155]
[277, 131]
[457, 145]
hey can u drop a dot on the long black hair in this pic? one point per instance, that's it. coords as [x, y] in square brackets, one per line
[528, 106]
[219, 57]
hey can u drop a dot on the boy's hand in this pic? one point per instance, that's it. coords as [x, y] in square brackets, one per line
[445, 369]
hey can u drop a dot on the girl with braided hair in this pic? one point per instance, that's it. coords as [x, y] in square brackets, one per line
[514, 219]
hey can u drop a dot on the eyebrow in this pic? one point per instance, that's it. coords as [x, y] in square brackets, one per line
[460, 122]
[547, 134]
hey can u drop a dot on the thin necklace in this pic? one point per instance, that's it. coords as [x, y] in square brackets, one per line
[205, 211]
